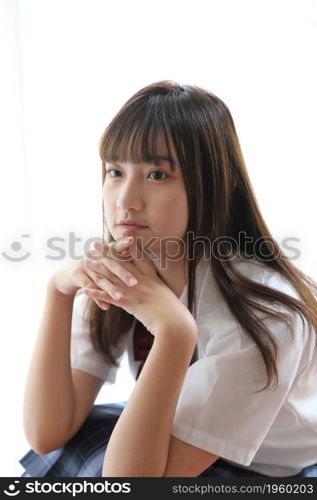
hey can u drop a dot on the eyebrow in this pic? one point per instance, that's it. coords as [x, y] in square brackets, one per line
[155, 159]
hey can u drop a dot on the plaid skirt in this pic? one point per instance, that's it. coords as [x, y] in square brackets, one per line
[83, 455]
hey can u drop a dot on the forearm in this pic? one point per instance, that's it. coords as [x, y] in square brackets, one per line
[138, 446]
[49, 394]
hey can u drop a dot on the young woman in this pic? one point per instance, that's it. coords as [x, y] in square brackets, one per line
[220, 326]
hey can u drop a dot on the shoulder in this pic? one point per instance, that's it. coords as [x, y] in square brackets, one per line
[255, 270]
[214, 317]
[261, 272]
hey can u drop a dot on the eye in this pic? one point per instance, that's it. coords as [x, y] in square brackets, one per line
[109, 170]
[159, 172]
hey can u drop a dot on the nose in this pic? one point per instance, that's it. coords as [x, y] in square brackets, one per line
[129, 197]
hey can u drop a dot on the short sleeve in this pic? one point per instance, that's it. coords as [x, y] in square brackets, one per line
[217, 409]
[83, 355]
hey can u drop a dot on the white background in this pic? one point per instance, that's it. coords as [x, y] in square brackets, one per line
[67, 66]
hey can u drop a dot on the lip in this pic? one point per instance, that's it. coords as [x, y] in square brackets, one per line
[130, 223]
[132, 226]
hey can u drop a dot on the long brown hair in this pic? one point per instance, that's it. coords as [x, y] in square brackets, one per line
[221, 204]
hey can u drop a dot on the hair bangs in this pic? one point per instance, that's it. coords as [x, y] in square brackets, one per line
[138, 136]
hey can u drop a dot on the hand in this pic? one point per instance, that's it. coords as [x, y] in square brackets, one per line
[151, 301]
[73, 276]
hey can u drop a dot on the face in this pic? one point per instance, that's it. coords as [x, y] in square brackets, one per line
[154, 196]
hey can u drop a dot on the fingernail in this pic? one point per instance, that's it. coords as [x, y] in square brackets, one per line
[90, 263]
[126, 254]
[97, 245]
[118, 295]
[132, 281]
[125, 240]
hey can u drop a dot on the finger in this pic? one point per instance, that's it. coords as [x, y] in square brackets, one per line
[115, 249]
[114, 267]
[103, 305]
[122, 245]
[141, 258]
[101, 295]
[120, 272]
[99, 250]
[105, 285]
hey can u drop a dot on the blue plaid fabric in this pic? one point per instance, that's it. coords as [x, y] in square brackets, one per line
[83, 455]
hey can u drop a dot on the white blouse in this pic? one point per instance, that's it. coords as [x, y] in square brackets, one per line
[273, 432]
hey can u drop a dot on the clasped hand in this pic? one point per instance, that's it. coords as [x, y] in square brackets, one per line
[149, 300]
